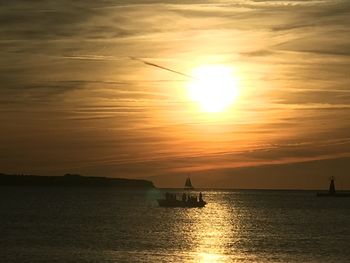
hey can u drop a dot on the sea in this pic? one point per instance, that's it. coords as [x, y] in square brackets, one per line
[56, 224]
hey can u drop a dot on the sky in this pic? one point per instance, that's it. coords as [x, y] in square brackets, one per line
[91, 87]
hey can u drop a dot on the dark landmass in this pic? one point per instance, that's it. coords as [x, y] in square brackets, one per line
[72, 180]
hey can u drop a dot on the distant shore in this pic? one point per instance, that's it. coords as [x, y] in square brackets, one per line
[72, 180]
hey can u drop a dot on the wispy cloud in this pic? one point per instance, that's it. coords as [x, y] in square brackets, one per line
[70, 92]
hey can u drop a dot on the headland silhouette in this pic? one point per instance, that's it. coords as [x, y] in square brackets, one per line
[72, 180]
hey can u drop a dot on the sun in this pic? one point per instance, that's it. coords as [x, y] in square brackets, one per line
[213, 87]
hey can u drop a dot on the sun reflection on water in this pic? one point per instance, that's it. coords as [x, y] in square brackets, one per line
[208, 258]
[211, 234]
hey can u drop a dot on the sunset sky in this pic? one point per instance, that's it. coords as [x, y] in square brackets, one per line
[105, 88]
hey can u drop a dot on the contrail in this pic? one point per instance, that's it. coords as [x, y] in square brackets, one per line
[161, 67]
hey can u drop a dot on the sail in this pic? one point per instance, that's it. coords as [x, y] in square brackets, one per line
[188, 183]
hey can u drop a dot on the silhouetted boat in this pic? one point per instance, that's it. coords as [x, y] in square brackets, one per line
[186, 201]
[188, 184]
[332, 192]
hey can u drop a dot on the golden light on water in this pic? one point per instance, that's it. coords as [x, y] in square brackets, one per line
[210, 258]
[213, 87]
[211, 233]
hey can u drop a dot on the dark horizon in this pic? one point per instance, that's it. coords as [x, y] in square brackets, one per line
[83, 180]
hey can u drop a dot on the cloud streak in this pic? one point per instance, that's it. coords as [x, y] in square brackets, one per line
[161, 67]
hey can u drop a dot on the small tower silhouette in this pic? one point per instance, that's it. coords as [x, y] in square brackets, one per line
[332, 187]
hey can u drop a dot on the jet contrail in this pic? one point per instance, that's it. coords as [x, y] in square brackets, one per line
[161, 67]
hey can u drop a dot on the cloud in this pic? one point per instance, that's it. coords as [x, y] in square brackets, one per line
[68, 82]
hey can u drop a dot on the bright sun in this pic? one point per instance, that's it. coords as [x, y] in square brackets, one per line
[214, 87]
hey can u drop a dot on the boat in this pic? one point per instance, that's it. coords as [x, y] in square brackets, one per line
[171, 200]
[187, 200]
[188, 184]
[332, 192]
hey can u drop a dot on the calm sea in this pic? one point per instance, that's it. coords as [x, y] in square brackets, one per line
[105, 225]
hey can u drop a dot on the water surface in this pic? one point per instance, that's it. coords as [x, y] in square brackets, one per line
[55, 224]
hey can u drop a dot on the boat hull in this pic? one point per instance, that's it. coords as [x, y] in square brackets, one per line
[179, 203]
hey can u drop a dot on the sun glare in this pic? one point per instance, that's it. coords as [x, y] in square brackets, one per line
[214, 87]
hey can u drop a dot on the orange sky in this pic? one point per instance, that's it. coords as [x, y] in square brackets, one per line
[72, 99]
